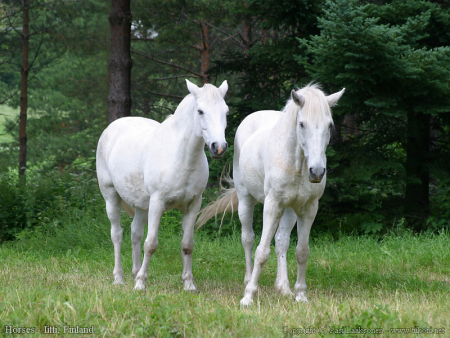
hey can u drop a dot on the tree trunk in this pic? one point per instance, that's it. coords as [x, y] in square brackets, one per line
[350, 126]
[434, 133]
[417, 201]
[246, 33]
[24, 91]
[246, 45]
[119, 64]
[336, 135]
[205, 54]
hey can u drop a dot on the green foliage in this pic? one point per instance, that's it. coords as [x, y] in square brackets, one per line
[42, 199]
[389, 55]
[67, 85]
[389, 65]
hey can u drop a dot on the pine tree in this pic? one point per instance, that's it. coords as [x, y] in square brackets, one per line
[394, 61]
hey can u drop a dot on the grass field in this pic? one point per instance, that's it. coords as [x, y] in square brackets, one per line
[6, 111]
[48, 282]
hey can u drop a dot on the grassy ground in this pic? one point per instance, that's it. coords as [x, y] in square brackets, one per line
[66, 280]
[6, 111]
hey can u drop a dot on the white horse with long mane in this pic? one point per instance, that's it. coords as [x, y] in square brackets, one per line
[150, 167]
[279, 160]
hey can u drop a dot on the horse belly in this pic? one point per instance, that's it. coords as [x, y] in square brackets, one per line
[127, 175]
[252, 176]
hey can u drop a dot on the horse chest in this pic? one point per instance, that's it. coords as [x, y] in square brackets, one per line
[294, 190]
[178, 189]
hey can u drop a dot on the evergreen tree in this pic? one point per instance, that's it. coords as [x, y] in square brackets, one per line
[394, 61]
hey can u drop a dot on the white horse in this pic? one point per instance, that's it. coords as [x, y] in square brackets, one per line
[151, 167]
[279, 160]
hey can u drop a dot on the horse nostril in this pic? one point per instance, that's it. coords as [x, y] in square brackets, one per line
[214, 147]
[310, 171]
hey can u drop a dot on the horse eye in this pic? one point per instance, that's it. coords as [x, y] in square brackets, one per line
[200, 112]
[301, 124]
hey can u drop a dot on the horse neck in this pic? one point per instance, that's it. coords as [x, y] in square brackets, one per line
[286, 132]
[188, 146]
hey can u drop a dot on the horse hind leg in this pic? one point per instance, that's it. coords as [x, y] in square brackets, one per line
[245, 211]
[137, 232]
[113, 202]
[273, 212]
[282, 239]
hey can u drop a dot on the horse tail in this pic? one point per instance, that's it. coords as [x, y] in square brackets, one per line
[228, 201]
[128, 209]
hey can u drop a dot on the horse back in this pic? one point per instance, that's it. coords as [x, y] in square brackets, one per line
[255, 122]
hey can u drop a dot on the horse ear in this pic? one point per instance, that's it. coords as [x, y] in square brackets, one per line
[193, 89]
[298, 99]
[223, 88]
[334, 98]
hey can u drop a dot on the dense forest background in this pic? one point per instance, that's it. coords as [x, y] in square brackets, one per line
[389, 158]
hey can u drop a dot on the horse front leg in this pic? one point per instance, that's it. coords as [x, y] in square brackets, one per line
[271, 217]
[282, 240]
[155, 211]
[304, 223]
[137, 232]
[187, 244]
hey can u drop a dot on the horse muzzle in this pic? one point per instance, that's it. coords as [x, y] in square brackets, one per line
[218, 149]
[314, 177]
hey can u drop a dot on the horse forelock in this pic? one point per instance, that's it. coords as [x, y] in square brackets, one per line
[210, 93]
[315, 109]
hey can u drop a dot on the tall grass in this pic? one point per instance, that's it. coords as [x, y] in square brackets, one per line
[60, 274]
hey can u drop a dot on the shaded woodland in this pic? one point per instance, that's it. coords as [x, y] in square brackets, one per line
[389, 157]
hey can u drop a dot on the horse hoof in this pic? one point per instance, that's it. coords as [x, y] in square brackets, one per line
[301, 298]
[118, 281]
[246, 301]
[190, 288]
[140, 286]
[285, 292]
[284, 289]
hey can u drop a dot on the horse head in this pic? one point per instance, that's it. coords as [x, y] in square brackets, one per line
[314, 125]
[211, 116]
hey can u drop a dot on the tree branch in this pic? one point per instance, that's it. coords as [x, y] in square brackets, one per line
[142, 39]
[216, 28]
[167, 78]
[160, 94]
[37, 5]
[197, 47]
[167, 63]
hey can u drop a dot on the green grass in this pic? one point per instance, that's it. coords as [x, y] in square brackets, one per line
[6, 111]
[66, 279]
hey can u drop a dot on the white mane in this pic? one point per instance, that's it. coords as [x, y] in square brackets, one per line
[316, 108]
[186, 105]
[209, 93]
